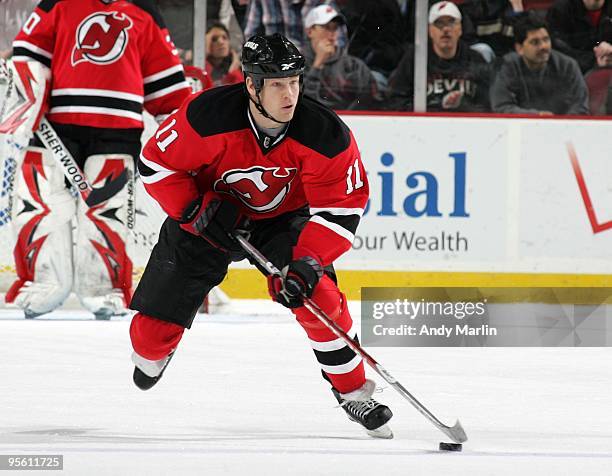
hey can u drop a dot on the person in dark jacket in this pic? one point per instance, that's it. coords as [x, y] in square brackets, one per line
[457, 77]
[536, 79]
[578, 26]
[376, 32]
[333, 77]
[493, 22]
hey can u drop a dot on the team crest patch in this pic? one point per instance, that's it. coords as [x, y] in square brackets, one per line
[262, 189]
[101, 38]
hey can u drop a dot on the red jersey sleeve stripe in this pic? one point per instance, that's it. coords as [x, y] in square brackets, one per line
[166, 91]
[162, 74]
[337, 211]
[338, 229]
[106, 93]
[153, 172]
[25, 45]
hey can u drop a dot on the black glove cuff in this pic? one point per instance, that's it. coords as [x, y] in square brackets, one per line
[191, 211]
[308, 270]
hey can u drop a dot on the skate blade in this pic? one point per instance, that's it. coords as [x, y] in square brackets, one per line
[383, 432]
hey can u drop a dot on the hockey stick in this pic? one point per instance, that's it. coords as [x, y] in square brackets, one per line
[455, 432]
[8, 148]
[92, 196]
[9, 170]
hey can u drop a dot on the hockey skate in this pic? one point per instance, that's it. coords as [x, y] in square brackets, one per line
[106, 306]
[29, 314]
[363, 409]
[148, 372]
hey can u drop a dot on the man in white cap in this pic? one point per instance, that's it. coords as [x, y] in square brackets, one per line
[457, 77]
[334, 77]
[445, 29]
[266, 17]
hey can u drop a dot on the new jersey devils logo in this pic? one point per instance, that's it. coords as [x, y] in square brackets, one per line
[259, 188]
[101, 38]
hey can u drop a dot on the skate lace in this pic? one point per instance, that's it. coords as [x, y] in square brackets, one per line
[360, 409]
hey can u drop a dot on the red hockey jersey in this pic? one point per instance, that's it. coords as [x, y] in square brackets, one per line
[211, 143]
[107, 59]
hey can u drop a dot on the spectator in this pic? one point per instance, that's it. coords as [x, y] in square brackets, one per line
[174, 13]
[333, 77]
[468, 34]
[578, 26]
[240, 8]
[231, 14]
[493, 22]
[457, 77]
[536, 79]
[222, 63]
[377, 32]
[599, 84]
[266, 17]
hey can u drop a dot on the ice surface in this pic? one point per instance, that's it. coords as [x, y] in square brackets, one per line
[244, 396]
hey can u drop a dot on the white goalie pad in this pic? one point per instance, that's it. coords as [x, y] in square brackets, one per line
[41, 214]
[23, 91]
[103, 277]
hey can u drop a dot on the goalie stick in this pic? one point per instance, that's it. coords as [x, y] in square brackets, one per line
[9, 150]
[455, 432]
[92, 196]
[16, 115]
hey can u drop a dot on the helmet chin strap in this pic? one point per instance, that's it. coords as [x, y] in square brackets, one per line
[261, 109]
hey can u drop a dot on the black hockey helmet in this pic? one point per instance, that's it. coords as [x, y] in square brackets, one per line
[271, 56]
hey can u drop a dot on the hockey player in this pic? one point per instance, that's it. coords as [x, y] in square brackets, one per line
[260, 158]
[106, 60]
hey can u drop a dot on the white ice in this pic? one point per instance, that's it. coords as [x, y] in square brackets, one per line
[244, 396]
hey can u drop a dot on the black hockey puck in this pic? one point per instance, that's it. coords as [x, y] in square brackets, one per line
[450, 446]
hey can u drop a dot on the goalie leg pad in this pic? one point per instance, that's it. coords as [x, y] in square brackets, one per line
[41, 215]
[103, 278]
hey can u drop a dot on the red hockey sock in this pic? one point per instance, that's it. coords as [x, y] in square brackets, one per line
[339, 363]
[152, 338]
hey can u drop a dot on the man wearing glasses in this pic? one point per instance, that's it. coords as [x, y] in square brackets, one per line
[457, 76]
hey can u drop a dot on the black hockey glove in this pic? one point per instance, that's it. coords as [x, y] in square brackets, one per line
[297, 279]
[213, 219]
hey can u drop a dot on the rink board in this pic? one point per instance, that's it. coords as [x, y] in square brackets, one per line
[471, 201]
[457, 201]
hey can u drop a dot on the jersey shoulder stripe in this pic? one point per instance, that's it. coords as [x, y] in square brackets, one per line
[218, 110]
[319, 128]
[47, 5]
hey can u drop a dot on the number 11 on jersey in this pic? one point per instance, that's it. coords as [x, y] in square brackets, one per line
[358, 183]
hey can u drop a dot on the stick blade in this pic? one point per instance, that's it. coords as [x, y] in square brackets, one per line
[456, 432]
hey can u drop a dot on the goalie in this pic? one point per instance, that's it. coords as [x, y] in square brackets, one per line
[92, 67]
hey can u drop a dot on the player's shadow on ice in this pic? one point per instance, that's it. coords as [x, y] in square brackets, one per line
[208, 434]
